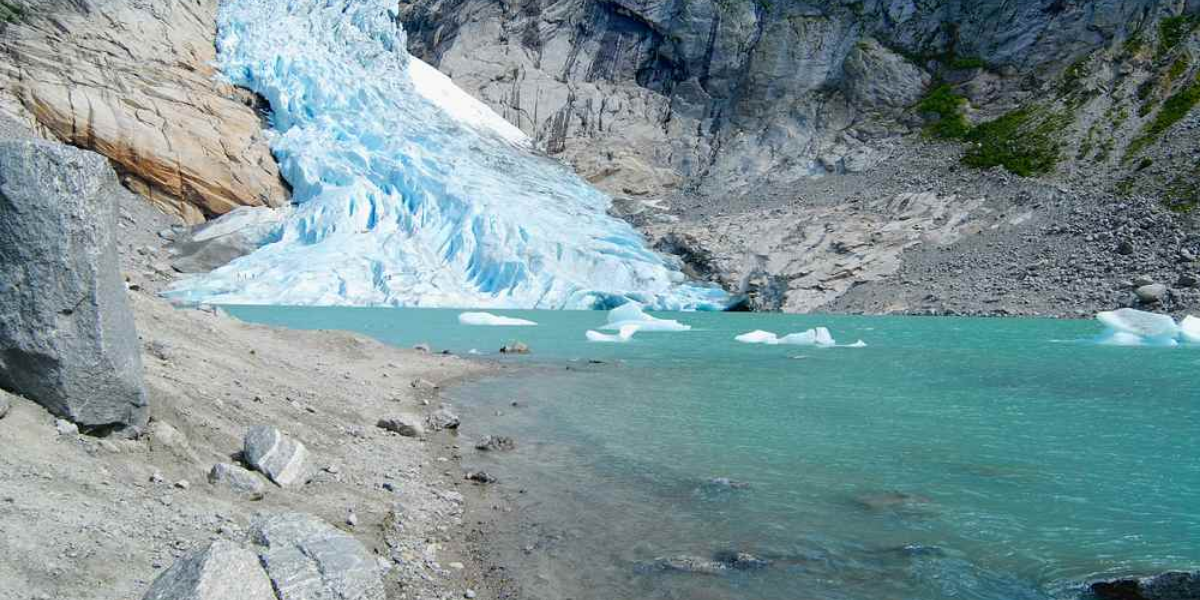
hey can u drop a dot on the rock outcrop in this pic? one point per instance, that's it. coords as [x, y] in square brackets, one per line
[1176, 585]
[645, 96]
[67, 335]
[135, 82]
[308, 559]
[221, 571]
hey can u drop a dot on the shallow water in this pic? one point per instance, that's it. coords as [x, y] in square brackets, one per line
[997, 459]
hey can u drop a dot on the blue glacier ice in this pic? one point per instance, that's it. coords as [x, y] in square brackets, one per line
[409, 192]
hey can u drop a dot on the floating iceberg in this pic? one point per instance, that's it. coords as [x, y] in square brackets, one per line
[632, 313]
[1189, 329]
[408, 191]
[818, 336]
[1129, 327]
[621, 337]
[490, 320]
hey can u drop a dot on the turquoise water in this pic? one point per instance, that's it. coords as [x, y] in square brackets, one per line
[996, 459]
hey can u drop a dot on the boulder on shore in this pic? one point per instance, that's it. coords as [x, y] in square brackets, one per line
[237, 480]
[309, 559]
[404, 424]
[280, 458]
[67, 335]
[221, 571]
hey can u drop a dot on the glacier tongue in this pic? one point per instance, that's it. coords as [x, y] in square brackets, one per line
[410, 192]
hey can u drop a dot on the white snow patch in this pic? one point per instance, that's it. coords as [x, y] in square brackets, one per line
[489, 320]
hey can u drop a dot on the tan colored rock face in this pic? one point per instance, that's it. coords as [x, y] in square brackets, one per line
[136, 83]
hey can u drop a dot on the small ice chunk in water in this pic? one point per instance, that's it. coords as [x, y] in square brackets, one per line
[1129, 327]
[818, 336]
[758, 337]
[1189, 329]
[632, 313]
[1140, 323]
[490, 320]
[624, 335]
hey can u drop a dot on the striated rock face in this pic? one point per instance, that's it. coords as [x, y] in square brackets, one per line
[643, 96]
[134, 81]
[67, 336]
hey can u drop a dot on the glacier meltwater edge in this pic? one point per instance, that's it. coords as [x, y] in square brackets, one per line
[409, 192]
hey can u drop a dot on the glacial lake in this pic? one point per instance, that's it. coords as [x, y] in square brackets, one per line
[991, 459]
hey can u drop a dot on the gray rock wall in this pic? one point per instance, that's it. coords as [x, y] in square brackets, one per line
[645, 96]
[67, 335]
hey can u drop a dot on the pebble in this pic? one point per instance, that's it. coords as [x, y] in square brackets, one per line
[469, 594]
[183, 484]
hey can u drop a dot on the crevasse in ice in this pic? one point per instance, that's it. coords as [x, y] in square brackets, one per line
[409, 192]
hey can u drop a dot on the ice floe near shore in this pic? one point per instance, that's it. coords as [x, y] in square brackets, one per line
[818, 336]
[483, 319]
[1130, 327]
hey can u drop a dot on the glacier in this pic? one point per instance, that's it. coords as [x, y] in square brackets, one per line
[408, 191]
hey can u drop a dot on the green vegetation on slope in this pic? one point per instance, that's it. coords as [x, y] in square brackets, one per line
[1026, 141]
[1173, 30]
[1173, 110]
[10, 13]
[949, 110]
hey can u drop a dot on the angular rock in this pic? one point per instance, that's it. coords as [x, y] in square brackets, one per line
[496, 443]
[309, 559]
[67, 336]
[443, 418]
[183, 138]
[222, 571]
[404, 424]
[1151, 294]
[237, 480]
[514, 348]
[216, 243]
[280, 458]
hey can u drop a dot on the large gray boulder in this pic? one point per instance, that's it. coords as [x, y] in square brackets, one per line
[309, 559]
[222, 571]
[67, 336]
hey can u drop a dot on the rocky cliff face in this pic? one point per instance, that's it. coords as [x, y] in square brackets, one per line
[797, 151]
[649, 95]
[134, 81]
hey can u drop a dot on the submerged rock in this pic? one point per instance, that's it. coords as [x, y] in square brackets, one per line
[496, 443]
[726, 484]
[309, 559]
[891, 500]
[282, 459]
[443, 418]
[480, 477]
[67, 335]
[221, 571]
[742, 561]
